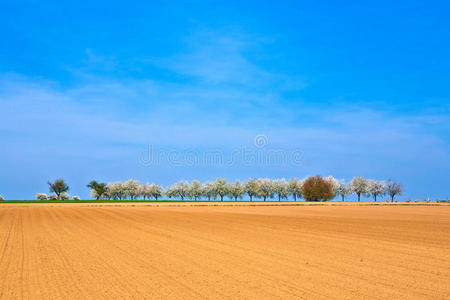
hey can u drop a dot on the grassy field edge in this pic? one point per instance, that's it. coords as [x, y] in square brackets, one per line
[229, 203]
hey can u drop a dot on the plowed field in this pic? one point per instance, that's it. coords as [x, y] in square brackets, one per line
[211, 252]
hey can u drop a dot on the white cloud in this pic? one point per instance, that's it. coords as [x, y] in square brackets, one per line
[102, 113]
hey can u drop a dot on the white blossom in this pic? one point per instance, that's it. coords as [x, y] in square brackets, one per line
[265, 188]
[343, 189]
[115, 190]
[376, 188]
[280, 187]
[171, 192]
[156, 191]
[195, 189]
[394, 188]
[251, 188]
[359, 185]
[41, 196]
[236, 190]
[334, 183]
[208, 190]
[181, 189]
[295, 188]
[52, 197]
[64, 196]
[144, 190]
[131, 188]
[221, 188]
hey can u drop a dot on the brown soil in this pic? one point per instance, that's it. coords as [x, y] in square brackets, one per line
[212, 252]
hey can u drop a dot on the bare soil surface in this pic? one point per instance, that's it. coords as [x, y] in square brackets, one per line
[195, 252]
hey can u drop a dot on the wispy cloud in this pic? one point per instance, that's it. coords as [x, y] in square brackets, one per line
[215, 57]
[101, 113]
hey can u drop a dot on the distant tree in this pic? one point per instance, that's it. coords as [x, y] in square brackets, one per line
[52, 197]
[251, 188]
[181, 189]
[108, 192]
[171, 192]
[317, 188]
[394, 188]
[94, 195]
[58, 186]
[41, 196]
[265, 188]
[295, 188]
[114, 190]
[221, 188]
[1, 198]
[131, 187]
[122, 190]
[76, 198]
[376, 188]
[334, 183]
[280, 188]
[343, 189]
[156, 191]
[195, 189]
[144, 190]
[236, 190]
[64, 196]
[98, 190]
[359, 186]
[208, 190]
[118, 190]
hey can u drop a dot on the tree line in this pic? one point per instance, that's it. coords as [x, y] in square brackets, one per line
[315, 188]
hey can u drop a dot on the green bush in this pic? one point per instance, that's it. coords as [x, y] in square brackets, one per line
[317, 188]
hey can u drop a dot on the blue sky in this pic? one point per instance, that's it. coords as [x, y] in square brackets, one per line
[357, 88]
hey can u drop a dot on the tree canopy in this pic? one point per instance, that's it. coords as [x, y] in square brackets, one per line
[317, 188]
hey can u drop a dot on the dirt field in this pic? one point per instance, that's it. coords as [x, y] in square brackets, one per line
[212, 252]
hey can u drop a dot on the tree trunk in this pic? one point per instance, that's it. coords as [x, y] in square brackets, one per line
[279, 197]
[295, 197]
[392, 198]
[264, 198]
[235, 198]
[251, 197]
[221, 198]
[342, 198]
[209, 198]
[359, 197]
[375, 197]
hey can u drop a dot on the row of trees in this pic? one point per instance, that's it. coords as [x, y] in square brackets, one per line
[62, 196]
[58, 191]
[314, 188]
[130, 189]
